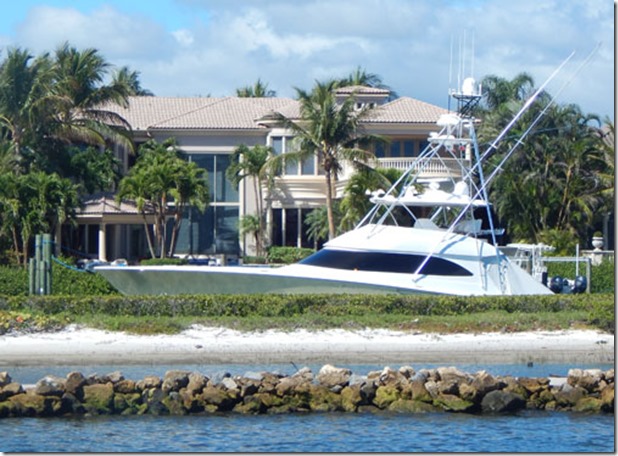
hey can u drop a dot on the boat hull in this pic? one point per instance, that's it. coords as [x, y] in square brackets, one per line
[176, 280]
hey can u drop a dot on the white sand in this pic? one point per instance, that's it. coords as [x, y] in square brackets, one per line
[76, 345]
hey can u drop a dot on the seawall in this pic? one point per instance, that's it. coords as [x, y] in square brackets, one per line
[332, 389]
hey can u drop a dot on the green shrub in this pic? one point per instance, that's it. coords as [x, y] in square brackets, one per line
[287, 255]
[13, 281]
[164, 261]
[248, 259]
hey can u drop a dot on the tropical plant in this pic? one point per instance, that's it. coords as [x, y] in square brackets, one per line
[34, 203]
[356, 195]
[331, 130]
[552, 182]
[125, 77]
[252, 225]
[253, 163]
[163, 185]
[360, 77]
[257, 90]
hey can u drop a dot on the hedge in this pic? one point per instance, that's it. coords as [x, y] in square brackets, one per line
[600, 307]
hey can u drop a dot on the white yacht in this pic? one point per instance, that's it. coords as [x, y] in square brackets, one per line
[423, 235]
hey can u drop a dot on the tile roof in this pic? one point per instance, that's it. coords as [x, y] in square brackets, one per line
[236, 113]
[362, 90]
[406, 110]
[103, 203]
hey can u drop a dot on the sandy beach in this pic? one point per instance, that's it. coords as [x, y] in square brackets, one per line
[76, 345]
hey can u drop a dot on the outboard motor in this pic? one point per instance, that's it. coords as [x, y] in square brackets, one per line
[580, 284]
[556, 284]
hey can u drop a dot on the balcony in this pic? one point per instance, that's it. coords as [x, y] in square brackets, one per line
[444, 167]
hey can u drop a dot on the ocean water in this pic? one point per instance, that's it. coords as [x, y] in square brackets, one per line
[526, 431]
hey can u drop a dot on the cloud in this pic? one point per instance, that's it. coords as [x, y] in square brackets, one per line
[116, 35]
[226, 44]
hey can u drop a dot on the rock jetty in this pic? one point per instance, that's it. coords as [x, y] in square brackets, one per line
[332, 389]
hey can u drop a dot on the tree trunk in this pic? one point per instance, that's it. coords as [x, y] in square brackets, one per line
[329, 205]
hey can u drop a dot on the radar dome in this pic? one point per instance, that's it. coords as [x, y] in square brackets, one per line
[467, 88]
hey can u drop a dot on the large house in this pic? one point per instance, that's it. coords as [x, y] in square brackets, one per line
[208, 130]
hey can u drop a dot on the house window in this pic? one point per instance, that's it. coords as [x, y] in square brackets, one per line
[289, 228]
[305, 167]
[216, 230]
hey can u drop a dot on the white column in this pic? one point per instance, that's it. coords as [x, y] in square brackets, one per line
[102, 246]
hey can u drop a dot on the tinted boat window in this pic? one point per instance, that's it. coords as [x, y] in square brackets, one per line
[384, 262]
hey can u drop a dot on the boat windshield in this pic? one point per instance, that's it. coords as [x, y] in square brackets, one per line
[384, 262]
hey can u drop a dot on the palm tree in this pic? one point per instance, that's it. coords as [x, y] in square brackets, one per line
[23, 83]
[330, 130]
[77, 99]
[162, 184]
[355, 203]
[253, 162]
[360, 77]
[258, 90]
[125, 77]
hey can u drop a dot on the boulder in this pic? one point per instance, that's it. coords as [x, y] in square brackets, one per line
[351, 398]
[149, 382]
[418, 391]
[222, 400]
[112, 377]
[607, 397]
[534, 385]
[410, 406]
[174, 380]
[229, 384]
[197, 382]
[99, 398]
[74, 383]
[34, 405]
[502, 401]
[568, 395]
[5, 379]
[50, 385]
[385, 395]
[484, 382]
[453, 403]
[322, 399]
[588, 404]
[10, 389]
[125, 387]
[330, 376]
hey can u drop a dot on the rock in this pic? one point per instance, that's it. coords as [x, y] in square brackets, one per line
[351, 398]
[10, 389]
[418, 391]
[568, 395]
[174, 403]
[154, 398]
[385, 395]
[323, 400]
[534, 385]
[453, 403]
[175, 380]
[588, 379]
[450, 374]
[468, 392]
[74, 383]
[248, 387]
[149, 382]
[223, 400]
[50, 386]
[588, 404]
[99, 398]
[250, 406]
[432, 388]
[330, 376]
[5, 379]
[125, 387]
[410, 406]
[484, 383]
[197, 382]
[34, 405]
[229, 384]
[607, 397]
[113, 377]
[407, 371]
[502, 401]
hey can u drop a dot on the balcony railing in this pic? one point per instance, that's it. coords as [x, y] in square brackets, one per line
[433, 168]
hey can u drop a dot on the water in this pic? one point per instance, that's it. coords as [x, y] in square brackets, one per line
[527, 431]
[332, 432]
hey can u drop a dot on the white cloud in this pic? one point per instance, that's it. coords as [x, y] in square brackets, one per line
[289, 44]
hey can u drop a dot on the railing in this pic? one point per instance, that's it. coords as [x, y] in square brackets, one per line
[432, 168]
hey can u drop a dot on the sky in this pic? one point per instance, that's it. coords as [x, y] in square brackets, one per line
[419, 48]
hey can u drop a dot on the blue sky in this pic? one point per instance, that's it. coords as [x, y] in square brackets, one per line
[212, 47]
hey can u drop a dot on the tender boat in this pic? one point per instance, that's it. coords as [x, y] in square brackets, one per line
[423, 235]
